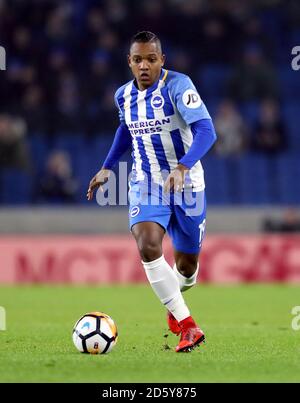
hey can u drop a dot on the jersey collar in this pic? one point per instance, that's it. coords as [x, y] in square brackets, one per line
[162, 78]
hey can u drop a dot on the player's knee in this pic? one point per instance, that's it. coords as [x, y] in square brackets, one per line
[187, 266]
[149, 249]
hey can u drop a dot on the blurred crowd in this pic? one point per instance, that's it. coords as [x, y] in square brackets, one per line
[267, 133]
[289, 222]
[66, 58]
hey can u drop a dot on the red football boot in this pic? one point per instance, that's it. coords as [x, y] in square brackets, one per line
[191, 335]
[173, 324]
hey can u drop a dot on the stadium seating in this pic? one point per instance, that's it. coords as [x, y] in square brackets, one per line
[288, 165]
[289, 82]
[216, 175]
[248, 179]
[290, 112]
[212, 80]
[16, 187]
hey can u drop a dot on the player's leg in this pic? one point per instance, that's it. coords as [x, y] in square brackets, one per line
[186, 229]
[149, 236]
[148, 222]
[186, 268]
[163, 280]
[148, 219]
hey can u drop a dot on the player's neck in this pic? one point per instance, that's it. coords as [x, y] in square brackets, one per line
[142, 87]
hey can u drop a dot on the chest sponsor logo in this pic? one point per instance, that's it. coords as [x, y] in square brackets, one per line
[146, 127]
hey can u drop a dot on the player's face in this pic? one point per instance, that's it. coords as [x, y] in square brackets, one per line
[145, 61]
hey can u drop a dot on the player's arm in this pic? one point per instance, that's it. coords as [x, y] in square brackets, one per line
[194, 113]
[121, 143]
[204, 137]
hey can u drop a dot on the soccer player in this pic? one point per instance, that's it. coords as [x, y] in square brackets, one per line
[164, 120]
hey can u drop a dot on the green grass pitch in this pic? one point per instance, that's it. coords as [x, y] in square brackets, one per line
[248, 331]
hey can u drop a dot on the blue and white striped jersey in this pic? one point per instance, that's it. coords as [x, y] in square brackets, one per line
[159, 120]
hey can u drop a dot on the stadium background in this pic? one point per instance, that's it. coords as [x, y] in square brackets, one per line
[65, 60]
[64, 63]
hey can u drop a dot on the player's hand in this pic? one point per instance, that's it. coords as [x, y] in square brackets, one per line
[98, 180]
[175, 179]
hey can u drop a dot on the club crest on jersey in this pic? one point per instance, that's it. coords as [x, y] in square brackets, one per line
[191, 99]
[157, 101]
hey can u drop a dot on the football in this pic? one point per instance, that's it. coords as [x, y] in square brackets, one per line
[95, 333]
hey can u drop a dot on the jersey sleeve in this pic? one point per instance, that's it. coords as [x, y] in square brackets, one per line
[118, 105]
[187, 99]
[204, 137]
[121, 143]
